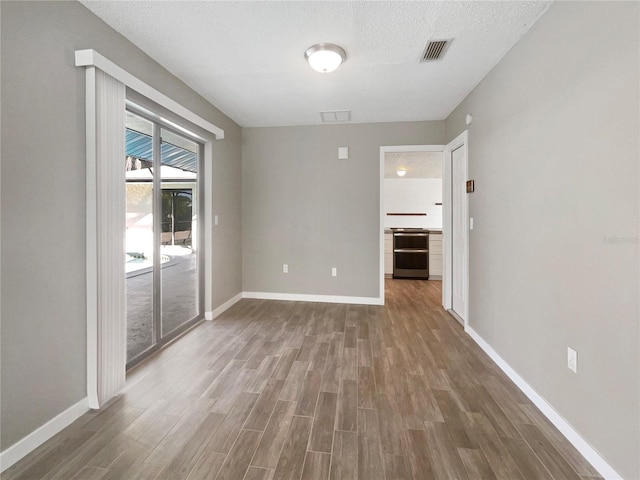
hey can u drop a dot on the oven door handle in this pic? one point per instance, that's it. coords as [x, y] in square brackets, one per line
[410, 250]
[411, 234]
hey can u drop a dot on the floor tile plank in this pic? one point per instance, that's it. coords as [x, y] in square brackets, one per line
[476, 464]
[316, 466]
[208, 466]
[323, 423]
[264, 406]
[396, 467]
[275, 435]
[551, 458]
[369, 448]
[237, 461]
[344, 458]
[255, 473]
[292, 457]
[444, 456]
[347, 406]
[228, 431]
[310, 390]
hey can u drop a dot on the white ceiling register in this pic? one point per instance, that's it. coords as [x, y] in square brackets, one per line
[106, 86]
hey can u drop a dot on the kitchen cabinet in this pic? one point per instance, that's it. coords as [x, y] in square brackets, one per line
[435, 255]
[388, 254]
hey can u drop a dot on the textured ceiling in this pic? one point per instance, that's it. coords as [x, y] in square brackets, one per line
[246, 57]
[417, 164]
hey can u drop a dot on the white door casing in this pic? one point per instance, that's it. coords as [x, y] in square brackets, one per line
[455, 290]
[459, 258]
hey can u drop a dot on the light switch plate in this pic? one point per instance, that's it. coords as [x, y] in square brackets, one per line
[572, 360]
[343, 153]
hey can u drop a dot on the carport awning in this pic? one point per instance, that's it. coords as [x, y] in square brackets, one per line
[140, 145]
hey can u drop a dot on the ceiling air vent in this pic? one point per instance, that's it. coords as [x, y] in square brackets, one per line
[435, 50]
[334, 116]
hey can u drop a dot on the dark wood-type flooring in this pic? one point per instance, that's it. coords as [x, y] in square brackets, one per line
[292, 390]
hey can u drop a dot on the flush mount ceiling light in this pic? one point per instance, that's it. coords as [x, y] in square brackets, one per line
[401, 172]
[325, 57]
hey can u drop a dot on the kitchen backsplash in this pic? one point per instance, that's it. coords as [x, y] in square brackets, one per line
[413, 195]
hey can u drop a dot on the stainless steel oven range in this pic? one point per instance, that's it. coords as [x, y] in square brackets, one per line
[410, 253]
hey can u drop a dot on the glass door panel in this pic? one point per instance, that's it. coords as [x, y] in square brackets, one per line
[139, 239]
[178, 246]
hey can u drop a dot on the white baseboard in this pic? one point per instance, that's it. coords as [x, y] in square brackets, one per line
[36, 438]
[222, 308]
[301, 297]
[587, 451]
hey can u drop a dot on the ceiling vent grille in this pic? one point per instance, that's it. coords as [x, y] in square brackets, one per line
[334, 116]
[435, 50]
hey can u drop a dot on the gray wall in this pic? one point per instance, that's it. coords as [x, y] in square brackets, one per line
[304, 207]
[554, 252]
[43, 188]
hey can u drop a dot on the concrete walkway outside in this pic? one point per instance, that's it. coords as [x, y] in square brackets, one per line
[179, 302]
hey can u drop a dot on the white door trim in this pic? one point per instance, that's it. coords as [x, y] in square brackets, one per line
[461, 140]
[394, 149]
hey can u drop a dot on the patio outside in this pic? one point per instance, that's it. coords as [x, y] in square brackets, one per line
[176, 206]
[179, 277]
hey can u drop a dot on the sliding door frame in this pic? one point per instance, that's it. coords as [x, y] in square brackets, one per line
[159, 339]
[101, 356]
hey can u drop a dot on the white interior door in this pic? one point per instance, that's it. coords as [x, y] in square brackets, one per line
[455, 229]
[459, 225]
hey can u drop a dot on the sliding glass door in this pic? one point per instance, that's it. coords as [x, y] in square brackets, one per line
[162, 261]
[139, 241]
[179, 223]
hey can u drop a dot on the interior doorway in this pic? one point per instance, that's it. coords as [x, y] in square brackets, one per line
[410, 213]
[455, 291]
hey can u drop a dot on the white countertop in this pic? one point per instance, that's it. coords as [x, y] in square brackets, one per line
[431, 229]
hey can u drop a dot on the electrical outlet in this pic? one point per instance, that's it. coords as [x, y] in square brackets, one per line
[572, 360]
[215, 219]
[471, 223]
[285, 268]
[334, 272]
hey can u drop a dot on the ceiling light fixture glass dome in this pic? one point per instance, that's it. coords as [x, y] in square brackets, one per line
[325, 57]
[401, 172]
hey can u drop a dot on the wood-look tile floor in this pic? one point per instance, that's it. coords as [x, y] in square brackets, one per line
[291, 390]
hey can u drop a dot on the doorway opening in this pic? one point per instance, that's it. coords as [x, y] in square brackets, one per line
[163, 262]
[410, 213]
